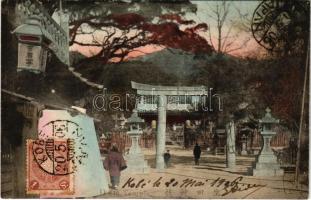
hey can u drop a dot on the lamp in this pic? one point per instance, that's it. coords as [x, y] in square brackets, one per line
[32, 51]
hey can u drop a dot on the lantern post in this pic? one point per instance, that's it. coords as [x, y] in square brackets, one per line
[32, 46]
[135, 159]
[267, 164]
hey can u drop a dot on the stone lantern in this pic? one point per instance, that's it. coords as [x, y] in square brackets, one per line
[267, 164]
[135, 158]
[32, 46]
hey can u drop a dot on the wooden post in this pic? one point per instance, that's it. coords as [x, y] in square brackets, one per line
[302, 117]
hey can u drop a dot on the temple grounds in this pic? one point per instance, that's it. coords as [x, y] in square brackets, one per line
[211, 179]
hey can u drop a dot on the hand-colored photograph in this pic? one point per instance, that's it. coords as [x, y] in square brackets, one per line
[155, 99]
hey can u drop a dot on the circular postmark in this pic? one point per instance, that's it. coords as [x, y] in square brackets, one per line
[54, 156]
[278, 25]
[61, 147]
[61, 129]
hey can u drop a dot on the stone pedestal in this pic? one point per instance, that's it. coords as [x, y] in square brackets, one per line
[135, 159]
[267, 164]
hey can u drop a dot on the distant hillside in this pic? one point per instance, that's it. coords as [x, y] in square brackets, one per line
[169, 67]
[183, 65]
[172, 61]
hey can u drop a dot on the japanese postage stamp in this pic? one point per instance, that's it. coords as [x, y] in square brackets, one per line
[48, 168]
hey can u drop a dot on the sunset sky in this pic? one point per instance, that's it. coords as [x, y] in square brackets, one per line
[239, 37]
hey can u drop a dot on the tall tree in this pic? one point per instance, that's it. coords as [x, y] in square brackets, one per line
[220, 11]
[118, 33]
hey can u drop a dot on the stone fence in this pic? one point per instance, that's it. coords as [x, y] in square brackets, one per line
[123, 141]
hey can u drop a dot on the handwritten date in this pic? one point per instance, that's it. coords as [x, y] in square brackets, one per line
[225, 186]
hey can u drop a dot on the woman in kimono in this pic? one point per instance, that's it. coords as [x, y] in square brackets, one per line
[115, 163]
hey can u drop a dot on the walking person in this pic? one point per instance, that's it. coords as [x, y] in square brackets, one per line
[115, 163]
[197, 153]
[167, 157]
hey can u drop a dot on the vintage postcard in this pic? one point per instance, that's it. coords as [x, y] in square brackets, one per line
[164, 99]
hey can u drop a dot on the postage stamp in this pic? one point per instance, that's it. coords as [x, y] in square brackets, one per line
[48, 168]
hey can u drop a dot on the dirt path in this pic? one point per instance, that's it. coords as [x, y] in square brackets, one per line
[211, 179]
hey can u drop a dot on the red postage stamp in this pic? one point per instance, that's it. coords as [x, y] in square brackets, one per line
[49, 171]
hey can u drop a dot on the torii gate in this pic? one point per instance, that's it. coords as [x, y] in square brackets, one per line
[162, 92]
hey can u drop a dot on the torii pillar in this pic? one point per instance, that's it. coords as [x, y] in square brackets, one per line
[161, 130]
[230, 152]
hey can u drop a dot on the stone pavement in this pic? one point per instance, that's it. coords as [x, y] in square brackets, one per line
[211, 179]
